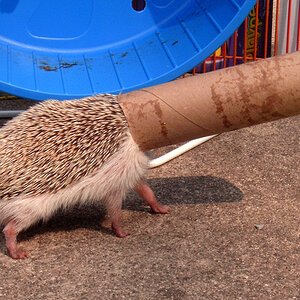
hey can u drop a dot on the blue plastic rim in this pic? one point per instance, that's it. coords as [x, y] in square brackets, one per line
[74, 48]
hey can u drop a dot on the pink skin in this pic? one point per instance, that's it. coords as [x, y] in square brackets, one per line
[10, 231]
[114, 209]
[144, 191]
[117, 228]
[147, 194]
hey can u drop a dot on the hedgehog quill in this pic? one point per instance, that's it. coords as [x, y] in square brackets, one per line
[60, 153]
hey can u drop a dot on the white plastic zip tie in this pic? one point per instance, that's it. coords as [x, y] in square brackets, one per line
[179, 151]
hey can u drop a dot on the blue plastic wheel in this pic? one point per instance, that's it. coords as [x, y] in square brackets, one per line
[73, 48]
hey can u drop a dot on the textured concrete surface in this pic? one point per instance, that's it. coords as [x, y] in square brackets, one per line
[233, 231]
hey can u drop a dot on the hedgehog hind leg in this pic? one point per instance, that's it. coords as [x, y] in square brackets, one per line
[144, 191]
[11, 231]
[113, 204]
[19, 214]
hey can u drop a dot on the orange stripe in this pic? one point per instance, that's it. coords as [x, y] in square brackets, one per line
[235, 47]
[237, 57]
[298, 35]
[224, 54]
[256, 29]
[245, 39]
[267, 28]
[288, 27]
[215, 61]
[276, 27]
[204, 66]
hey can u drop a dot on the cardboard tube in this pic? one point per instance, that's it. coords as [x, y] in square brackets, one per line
[214, 102]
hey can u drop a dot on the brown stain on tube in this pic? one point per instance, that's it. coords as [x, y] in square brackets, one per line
[219, 107]
[159, 113]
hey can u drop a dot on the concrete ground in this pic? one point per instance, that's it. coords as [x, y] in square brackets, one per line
[233, 231]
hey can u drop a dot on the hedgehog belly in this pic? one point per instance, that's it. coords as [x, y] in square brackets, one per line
[122, 171]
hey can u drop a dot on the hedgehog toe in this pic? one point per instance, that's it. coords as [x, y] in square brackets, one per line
[18, 254]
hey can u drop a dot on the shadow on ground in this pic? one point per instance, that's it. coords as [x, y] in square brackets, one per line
[169, 191]
[188, 190]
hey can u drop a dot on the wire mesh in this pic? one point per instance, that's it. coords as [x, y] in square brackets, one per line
[271, 28]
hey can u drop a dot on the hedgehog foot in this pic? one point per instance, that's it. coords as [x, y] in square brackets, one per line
[10, 231]
[113, 206]
[147, 194]
[119, 231]
[116, 225]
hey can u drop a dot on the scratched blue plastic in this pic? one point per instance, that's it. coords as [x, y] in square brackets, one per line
[68, 49]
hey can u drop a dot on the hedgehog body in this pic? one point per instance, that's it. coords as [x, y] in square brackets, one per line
[59, 153]
[56, 143]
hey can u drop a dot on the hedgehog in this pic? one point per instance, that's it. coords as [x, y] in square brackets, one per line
[61, 153]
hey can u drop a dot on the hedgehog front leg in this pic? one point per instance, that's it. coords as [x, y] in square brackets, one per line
[114, 206]
[144, 190]
[11, 231]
